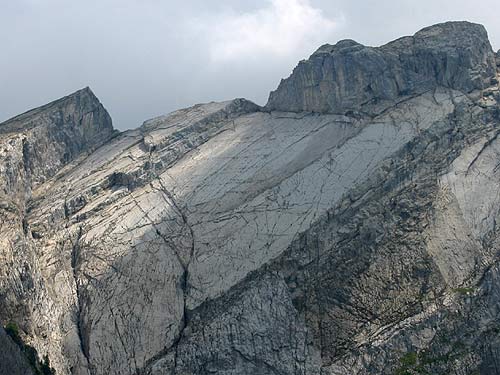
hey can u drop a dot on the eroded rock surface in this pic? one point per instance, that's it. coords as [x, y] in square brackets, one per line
[12, 361]
[352, 229]
[351, 77]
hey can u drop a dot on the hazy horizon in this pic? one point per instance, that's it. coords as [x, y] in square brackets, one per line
[147, 58]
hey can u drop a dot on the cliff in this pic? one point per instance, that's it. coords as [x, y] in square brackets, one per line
[349, 226]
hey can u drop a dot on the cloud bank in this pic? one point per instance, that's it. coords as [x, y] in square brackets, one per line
[277, 30]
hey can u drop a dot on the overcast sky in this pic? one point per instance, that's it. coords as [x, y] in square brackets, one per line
[144, 58]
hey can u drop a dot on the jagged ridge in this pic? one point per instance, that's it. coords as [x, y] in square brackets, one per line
[230, 239]
[351, 77]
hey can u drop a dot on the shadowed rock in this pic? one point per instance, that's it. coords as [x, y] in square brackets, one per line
[231, 240]
[12, 360]
[351, 77]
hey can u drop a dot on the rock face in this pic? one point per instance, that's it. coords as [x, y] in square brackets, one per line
[350, 226]
[33, 148]
[351, 77]
[11, 359]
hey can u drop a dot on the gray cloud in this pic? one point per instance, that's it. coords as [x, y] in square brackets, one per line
[148, 57]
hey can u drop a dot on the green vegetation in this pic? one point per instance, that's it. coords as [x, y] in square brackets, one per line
[464, 291]
[13, 331]
[39, 367]
[422, 363]
[409, 364]
[409, 359]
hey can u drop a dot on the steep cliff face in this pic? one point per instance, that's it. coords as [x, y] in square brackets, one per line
[34, 147]
[350, 226]
[351, 77]
[12, 360]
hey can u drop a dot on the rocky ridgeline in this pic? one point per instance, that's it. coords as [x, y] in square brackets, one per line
[349, 226]
[351, 77]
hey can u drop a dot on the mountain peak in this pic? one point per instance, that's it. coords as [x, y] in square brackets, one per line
[48, 137]
[457, 32]
[77, 103]
[345, 76]
[227, 239]
[339, 46]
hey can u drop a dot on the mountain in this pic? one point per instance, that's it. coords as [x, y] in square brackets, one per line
[347, 227]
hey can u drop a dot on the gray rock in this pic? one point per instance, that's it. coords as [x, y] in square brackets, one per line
[229, 239]
[12, 361]
[351, 77]
[35, 146]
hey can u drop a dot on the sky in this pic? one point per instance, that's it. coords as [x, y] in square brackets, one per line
[144, 58]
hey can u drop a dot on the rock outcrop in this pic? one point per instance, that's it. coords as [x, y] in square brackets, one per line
[33, 148]
[12, 361]
[350, 77]
[350, 226]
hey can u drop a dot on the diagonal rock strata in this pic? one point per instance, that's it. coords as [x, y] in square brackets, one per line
[349, 226]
